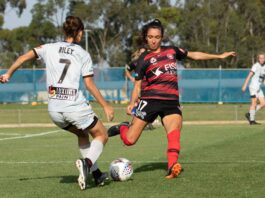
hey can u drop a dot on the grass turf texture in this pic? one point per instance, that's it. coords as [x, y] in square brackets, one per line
[219, 161]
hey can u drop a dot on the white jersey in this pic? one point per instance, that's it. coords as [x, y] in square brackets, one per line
[258, 77]
[65, 64]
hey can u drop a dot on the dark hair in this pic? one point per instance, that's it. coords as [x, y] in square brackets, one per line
[156, 23]
[72, 26]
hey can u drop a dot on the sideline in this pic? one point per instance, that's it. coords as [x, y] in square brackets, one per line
[139, 162]
[30, 135]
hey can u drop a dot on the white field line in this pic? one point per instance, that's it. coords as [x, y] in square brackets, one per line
[30, 135]
[139, 162]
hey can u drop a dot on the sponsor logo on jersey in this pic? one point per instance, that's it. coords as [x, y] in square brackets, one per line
[61, 93]
[157, 72]
[170, 56]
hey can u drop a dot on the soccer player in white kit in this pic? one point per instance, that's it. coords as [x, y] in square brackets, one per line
[65, 62]
[256, 77]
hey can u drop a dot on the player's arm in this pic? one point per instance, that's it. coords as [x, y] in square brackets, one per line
[244, 87]
[129, 75]
[206, 56]
[135, 94]
[20, 60]
[92, 88]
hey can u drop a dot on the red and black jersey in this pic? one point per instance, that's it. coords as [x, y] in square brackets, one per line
[160, 72]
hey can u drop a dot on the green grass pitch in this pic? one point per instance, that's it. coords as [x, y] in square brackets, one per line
[218, 161]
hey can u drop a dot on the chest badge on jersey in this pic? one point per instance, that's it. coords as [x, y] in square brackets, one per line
[153, 60]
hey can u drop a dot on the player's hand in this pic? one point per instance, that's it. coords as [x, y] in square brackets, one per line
[4, 78]
[108, 109]
[243, 88]
[129, 109]
[227, 54]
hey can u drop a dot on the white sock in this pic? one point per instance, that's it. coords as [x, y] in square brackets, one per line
[84, 149]
[96, 148]
[258, 108]
[252, 115]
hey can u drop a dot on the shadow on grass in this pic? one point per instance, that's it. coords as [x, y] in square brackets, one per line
[151, 167]
[69, 179]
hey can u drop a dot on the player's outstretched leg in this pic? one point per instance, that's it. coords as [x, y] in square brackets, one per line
[174, 171]
[115, 130]
[83, 168]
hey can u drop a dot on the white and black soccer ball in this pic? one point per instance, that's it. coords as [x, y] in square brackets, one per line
[121, 169]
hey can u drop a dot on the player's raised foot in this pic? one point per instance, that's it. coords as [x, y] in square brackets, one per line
[83, 169]
[115, 130]
[100, 180]
[254, 123]
[247, 115]
[174, 171]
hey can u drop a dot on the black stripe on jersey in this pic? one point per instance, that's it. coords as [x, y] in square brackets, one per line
[164, 83]
[151, 94]
[35, 53]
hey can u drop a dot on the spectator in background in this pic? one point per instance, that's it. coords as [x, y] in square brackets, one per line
[256, 77]
[65, 62]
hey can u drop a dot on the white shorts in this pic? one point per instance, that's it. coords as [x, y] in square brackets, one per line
[257, 93]
[80, 119]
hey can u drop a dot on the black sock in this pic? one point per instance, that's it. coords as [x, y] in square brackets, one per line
[97, 173]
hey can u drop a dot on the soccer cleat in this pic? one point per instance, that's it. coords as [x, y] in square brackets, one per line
[115, 130]
[174, 171]
[247, 115]
[83, 169]
[100, 181]
[254, 123]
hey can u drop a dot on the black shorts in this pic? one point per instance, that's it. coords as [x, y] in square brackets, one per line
[148, 110]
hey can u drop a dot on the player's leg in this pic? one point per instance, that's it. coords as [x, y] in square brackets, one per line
[129, 133]
[261, 100]
[145, 113]
[173, 124]
[85, 165]
[79, 123]
[172, 121]
[252, 109]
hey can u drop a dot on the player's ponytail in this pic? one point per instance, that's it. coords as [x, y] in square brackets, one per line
[72, 26]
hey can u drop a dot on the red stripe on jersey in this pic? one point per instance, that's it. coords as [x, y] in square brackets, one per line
[160, 88]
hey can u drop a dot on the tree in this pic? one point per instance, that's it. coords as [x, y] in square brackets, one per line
[20, 5]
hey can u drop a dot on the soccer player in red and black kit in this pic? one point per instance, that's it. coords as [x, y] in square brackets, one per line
[160, 97]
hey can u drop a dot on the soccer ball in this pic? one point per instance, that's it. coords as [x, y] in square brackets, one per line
[121, 169]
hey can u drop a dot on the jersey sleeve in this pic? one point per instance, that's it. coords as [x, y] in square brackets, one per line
[87, 65]
[254, 68]
[131, 66]
[40, 52]
[139, 70]
[180, 53]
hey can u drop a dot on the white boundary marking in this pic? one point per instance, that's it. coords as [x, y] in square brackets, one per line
[30, 135]
[138, 162]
